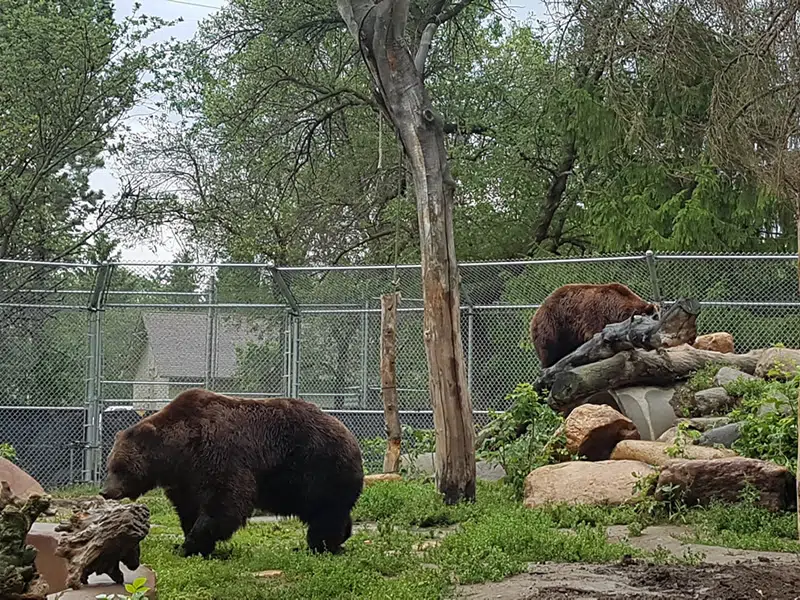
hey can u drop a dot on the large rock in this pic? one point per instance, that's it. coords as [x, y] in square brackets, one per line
[728, 375]
[780, 404]
[22, 485]
[592, 430]
[648, 407]
[778, 359]
[55, 569]
[701, 481]
[713, 401]
[655, 453]
[715, 342]
[605, 482]
[725, 435]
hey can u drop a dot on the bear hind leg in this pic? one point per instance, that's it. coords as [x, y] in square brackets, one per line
[328, 533]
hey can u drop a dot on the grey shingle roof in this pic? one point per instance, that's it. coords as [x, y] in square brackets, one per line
[178, 341]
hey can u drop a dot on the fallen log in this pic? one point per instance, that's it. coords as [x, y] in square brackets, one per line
[677, 326]
[19, 579]
[97, 540]
[570, 388]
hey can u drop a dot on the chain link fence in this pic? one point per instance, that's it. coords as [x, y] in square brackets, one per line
[87, 350]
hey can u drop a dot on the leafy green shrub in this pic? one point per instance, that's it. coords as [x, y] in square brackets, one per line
[7, 451]
[702, 379]
[524, 437]
[767, 432]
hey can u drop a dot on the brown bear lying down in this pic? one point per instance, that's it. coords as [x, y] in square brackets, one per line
[217, 458]
[573, 313]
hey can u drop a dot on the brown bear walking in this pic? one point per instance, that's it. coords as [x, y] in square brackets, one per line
[573, 313]
[217, 458]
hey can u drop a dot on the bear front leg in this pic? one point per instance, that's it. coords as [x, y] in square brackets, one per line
[188, 509]
[218, 520]
[327, 533]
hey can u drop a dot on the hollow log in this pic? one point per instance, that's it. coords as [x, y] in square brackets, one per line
[19, 579]
[570, 388]
[389, 304]
[97, 540]
[678, 325]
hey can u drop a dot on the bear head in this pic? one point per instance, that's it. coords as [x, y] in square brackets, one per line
[131, 463]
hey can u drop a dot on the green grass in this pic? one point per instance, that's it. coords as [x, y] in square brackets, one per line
[392, 555]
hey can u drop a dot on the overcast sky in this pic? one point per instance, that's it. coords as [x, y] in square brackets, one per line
[192, 12]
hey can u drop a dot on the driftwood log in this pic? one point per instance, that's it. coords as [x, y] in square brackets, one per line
[663, 366]
[676, 326]
[97, 540]
[19, 579]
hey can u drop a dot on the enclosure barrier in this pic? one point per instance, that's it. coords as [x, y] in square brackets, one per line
[87, 349]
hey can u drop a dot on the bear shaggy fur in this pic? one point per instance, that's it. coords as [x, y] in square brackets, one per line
[218, 458]
[573, 313]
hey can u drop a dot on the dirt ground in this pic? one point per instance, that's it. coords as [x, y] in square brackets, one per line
[761, 580]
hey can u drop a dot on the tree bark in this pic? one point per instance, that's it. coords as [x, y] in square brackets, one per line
[380, 30]
[572, 387]
[675, 327]
[389, 304]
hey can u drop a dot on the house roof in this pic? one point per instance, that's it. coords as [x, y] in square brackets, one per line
[178, 341]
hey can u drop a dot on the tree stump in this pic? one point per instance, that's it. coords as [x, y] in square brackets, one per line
[97, 540]
[19, 579]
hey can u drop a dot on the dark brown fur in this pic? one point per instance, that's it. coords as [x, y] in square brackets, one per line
[218, 458]
[573, 313]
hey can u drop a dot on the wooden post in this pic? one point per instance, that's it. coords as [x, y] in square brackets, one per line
[389, 304]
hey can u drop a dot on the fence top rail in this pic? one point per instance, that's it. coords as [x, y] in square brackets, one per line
[322, 268]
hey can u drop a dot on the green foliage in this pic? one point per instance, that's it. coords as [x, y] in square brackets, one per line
[768, 418]
[684, 437]
[8, 452]
[524, 437]
[137, 590]
[702, 379]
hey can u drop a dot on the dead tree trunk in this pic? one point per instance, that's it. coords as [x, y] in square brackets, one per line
[380, 31]
[19, 579]
[570, 388]
[676, 326]
[389, 305]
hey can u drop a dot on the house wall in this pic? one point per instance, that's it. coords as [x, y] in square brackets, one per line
[147, 371]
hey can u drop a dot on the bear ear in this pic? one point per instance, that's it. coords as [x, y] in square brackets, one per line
[147, 429]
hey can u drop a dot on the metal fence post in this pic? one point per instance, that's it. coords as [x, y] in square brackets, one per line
[470, 317]
[651, 267]
[291, 364]
[364, 353]
[93, 450]
[208, 376]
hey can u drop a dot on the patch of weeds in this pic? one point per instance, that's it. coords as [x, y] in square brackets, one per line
[745, 526]
[502, 543]
[414, 503]
[768, 419]
[78, 490]
[525, 437]
[684, 436]
[700, 380]
[8, 452]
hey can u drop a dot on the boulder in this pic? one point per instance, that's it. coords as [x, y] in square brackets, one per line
[781, 404]
[728, 375]
[715, 342]
[701, 481]
[725, 435]
[705, 423]
[648, 407]
[713, 401]
[668, 436]
[778, 359]
[424, 464]
[592, 430]
[655, 453]
[605, 482]
[22, 485]
[376, 477]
